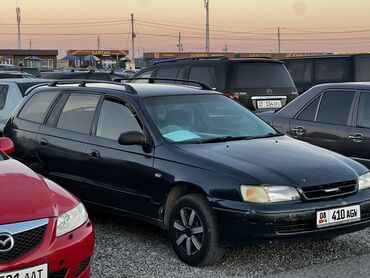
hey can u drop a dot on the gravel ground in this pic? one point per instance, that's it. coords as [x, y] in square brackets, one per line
[128, 248]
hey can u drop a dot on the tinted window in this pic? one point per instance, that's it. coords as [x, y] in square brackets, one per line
[36, 107]
[259, 75]
[116, 118]
[329, 70]
[146, 74]
[203, 74]
[309, 113]
[363, 117]
[167, 73]
[363, 68]
[23, 87]
[99, 76]
[78, 113]
[335, 107]
[300, 71]
[3, 94]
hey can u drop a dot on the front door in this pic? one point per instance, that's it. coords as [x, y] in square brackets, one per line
[359, 135]
[119, 176]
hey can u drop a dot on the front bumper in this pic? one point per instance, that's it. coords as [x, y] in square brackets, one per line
[243, 223]
[67, 256]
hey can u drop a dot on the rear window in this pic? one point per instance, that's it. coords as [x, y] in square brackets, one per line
[3, 94]
[259, 75]
[363, 69]
[36, 107]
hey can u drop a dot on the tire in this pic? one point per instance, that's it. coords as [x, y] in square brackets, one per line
[193, 231]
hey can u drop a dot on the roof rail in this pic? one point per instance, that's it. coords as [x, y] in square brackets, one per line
[190, 59]
[82, 83]
[151, 80]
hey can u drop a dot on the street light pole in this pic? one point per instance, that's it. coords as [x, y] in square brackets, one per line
[206, 5]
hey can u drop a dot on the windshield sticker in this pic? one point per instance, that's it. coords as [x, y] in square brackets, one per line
[181, 135]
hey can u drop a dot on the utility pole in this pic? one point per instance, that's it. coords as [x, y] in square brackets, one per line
[30, 44]
[179, 44]
[98, 42]
[18, 11]
[133, 36]
[226, 48]
[206, 5]
[279, 41]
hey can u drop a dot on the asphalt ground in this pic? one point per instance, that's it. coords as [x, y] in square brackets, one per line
[129, 248]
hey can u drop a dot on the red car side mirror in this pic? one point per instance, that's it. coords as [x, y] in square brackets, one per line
[6, 145]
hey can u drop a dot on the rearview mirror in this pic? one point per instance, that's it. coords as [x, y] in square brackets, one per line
[6, 145]
[131, 138]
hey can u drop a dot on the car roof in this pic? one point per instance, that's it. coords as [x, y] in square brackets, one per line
[325, 56]
[24, 80]
[345, 85]
[141, 90]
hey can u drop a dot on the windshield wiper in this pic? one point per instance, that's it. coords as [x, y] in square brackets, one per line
[222, 139]
[268, 135]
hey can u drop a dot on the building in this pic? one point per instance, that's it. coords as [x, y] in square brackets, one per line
[107, 58]
[33, 58]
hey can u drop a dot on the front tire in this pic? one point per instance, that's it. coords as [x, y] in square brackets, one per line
[193, 231]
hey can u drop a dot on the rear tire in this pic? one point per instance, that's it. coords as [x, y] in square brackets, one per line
[193, 231]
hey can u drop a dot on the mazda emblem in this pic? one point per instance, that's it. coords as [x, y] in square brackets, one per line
[6, 242]
[268, 91]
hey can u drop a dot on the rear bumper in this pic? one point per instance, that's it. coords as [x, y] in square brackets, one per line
[242, 223]
[67, 256]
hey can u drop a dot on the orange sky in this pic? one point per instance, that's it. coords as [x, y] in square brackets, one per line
[245, 25]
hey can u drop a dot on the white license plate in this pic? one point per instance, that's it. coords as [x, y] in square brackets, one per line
[40, 271]
[263, 104]
[337, 216]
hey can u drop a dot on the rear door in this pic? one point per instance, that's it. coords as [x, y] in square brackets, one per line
[62, 141]
[325, 121]
[261, 85]
[359, 135]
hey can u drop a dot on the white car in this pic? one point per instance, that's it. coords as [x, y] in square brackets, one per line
[11, 93]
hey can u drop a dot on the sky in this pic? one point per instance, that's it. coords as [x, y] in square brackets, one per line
[236, 25]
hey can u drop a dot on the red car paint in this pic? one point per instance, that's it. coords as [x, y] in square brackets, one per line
[26, 196]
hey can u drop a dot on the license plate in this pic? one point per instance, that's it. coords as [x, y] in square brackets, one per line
[263, 104]
[40, 271]
[338, 216]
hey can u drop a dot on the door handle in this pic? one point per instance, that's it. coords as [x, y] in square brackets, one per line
[94, 153]
[299, 130]
[43, 141]
[357, 137]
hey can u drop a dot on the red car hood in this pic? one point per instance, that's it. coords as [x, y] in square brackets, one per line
[24, 195]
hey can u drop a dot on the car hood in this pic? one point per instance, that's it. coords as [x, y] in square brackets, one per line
[278, 161]
[26, 196]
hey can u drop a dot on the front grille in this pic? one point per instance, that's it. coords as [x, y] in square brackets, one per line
[24, 242]
[84, 264]
[59, 274]
[330, 190]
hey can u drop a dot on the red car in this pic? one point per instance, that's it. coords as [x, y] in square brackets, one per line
[44, 230]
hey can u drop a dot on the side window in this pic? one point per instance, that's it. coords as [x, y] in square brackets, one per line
[362, 68]
[300, 71]
[115, 118]
[78, 113]
[36, 107]
[363, 116]
[203, 74]
[309, 113]
[335, 107]
[329, 70]
[167, 73]
[146, 74]
[3, 94]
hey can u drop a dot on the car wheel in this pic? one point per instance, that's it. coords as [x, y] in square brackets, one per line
[193, 231]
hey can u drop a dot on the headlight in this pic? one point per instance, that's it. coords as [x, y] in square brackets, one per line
[71, 220]
[268, 194]
[364, 181]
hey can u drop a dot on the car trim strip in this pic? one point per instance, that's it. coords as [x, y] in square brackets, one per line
[20, 227]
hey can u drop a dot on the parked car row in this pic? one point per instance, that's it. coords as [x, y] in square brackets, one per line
[189, 160]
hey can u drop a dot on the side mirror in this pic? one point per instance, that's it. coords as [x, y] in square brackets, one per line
[131, 138]
[6, 145]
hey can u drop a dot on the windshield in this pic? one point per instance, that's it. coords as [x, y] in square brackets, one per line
[204, 118]
[259, 75]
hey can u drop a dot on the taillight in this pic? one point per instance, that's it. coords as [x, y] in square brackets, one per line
[229, 94]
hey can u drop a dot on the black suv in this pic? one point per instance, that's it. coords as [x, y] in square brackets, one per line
[86, 75]
[189, 160]
[313, 70]
[258, 84]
